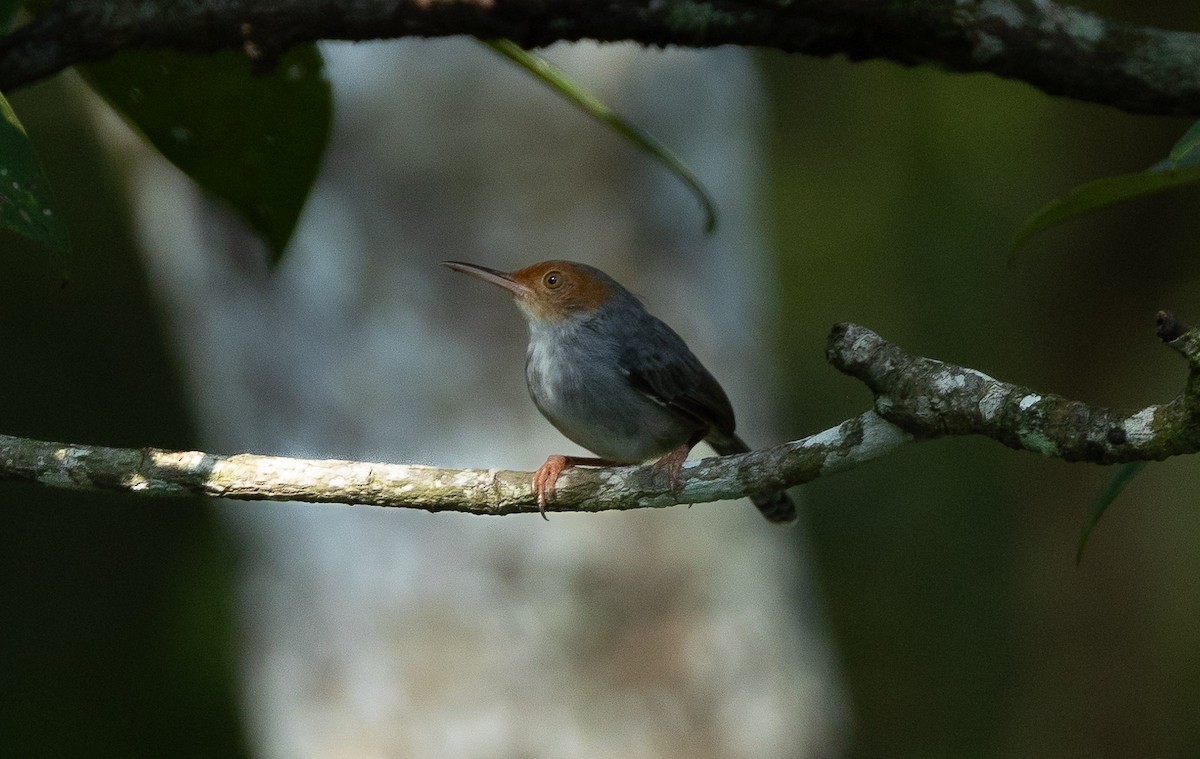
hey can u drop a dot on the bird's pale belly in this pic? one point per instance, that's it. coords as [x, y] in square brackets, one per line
[607, 416]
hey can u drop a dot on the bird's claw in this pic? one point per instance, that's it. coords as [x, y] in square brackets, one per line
[544, 480]
[546, 476]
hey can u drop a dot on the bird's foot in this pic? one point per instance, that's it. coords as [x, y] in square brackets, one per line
[546, 476]
[672, 464]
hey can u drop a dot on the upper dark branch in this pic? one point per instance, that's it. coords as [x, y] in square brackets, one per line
[1062, 50]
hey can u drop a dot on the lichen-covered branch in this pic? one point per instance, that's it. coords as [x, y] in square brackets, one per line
[915, 399]
[251, 477]
[1058, 48]
[932, 399]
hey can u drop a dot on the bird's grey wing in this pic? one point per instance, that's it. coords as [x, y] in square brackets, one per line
[660, 366]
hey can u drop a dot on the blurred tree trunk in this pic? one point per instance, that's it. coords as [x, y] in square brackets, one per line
[686, 633]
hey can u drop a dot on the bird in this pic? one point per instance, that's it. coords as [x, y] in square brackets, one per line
[615, 379]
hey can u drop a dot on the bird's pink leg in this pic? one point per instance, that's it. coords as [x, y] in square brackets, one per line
[546, 476]
[672, 460]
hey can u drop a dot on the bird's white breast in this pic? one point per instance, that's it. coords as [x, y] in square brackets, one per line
[575, 382]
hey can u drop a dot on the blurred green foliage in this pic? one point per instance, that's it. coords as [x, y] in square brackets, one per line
[27, 204]
[1100, 194]
[965, 627]
[117, 633]
[254, 139]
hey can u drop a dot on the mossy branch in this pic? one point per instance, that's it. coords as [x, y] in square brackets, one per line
[931, 399]
[915, 399]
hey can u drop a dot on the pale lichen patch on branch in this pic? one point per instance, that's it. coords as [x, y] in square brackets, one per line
[1139, 428]
[1037, 442]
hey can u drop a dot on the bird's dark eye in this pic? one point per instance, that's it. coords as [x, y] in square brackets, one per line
[553, 280]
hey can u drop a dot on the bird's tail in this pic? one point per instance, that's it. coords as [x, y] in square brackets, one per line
[777, 507]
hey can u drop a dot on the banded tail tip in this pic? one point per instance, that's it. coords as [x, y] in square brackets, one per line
[778, 508]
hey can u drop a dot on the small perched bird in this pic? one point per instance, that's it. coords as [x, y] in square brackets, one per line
[615, 379]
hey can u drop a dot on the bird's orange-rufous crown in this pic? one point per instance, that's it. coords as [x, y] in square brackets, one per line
[554, 290]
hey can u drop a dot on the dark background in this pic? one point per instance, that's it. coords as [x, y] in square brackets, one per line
[117, 636]
[965, 627]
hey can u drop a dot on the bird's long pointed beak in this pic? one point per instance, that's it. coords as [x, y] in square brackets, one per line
[498, 278]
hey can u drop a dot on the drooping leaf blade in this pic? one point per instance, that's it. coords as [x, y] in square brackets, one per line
[1123, 476]
[1188, 147]
[27, 204]
[255, 141]
[1101, 193]
[558, 81]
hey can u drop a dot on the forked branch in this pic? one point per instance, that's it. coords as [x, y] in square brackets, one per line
[915, 399]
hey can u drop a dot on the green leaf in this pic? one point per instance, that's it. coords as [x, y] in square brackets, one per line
[1102, 193]
[558, 81]
[1185, 151]
[1125, 473]
[255, 141]
[8, 9]
[27, 204]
